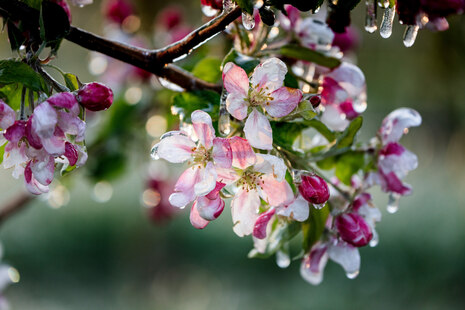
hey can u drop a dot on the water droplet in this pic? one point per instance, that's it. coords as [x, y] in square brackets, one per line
[224, 121]
[386, 24]
[13, 274]
[209, 11]
[258, 4]
[410, 35]
[228, 5]
[282, 259]
[180, 57]
[352, 275]
[297, 175]
[248, 21]
[318, 206]
[383, 3]
[393, 203]
[375, 240]
[169, 85]
[154, 152]
[370, 19]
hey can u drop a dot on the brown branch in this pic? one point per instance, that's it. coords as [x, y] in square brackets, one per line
[154, 61]
[15, 205]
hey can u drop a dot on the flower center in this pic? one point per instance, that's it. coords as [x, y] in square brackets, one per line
[259, 96]
[250, 180]
[201, 156]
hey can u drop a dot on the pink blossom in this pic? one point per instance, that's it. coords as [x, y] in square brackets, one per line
[207, 208]
[7, 115]
[353, 229]
[263, 93]
[314, 189]
[397, 123]
[204, 157]
[95, 96]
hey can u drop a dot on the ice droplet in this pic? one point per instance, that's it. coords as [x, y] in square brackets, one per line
[282, 259]
[370, 19]
[169, 85]
[258, 4]
[224, 122]
[375, 240]
[410, 35]
[248, 21]
[209, 11]
[228, 5]
[386, 24]
[352, 275]
[319, 206]
[383, 3]
[154, 152]
[393, 203]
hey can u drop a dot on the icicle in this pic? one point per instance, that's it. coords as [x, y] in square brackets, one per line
[224, 121]
[410, 35]
[383, 3]
[154, 152]
[352, 275]
[393, 203]
[370, 20]
[248, 21]
[386, 24]
[374, 240]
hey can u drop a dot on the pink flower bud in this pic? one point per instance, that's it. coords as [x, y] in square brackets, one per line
[353, 229]
[118, 10]
[95, 96]
[64, 5]
[314, 189]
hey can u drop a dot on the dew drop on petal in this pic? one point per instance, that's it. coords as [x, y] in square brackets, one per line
[352, 275]
[386, 24]
[410, 35]
[393, 203]
[318, 206]
[375, 240]
[248, 21]
[209, 11]
[154, 152]
[282, 259]
[13, 274]
[370, 19]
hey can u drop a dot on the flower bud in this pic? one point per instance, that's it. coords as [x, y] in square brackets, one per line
[353, 229]
[314, 189]
[95, 96]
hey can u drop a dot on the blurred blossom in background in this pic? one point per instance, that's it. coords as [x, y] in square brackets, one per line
[113, 242]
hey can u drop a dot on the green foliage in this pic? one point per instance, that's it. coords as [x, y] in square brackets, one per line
[322, 128]
[245, 5]
[33, 3]
[11, 94]
[15, 36]
[348, 164]
[291, 81]
[302, 53]
[348, 136]
[208, 69]
[187, 102]
[2, 151]
[13, 71]
[314, 226]
[71, 81]
[245, 62]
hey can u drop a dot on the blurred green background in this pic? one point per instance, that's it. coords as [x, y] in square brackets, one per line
[89, 255]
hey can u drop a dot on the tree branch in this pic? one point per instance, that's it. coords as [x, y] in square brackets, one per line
[15, 205]
[154, 61]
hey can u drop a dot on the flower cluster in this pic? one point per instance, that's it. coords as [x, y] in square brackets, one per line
[54, 133]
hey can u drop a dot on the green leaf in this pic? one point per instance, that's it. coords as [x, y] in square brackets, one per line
[348, 136]
[15, 36]
[327, 163]
[305, 110]
[267, 16]
[349, 164]
[290, 81]
[245, 5]
[245, 62]
[302, 53]
[2, 151]
[322, 128]
[285, 133]
[208, 69]
[11, 94]
[71, 81]
[314, 226]
[12, 71]
[33, 3]
[188, 102]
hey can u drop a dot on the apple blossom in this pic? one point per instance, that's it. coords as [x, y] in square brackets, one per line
[263, 93]
[314, 189]
[95, 96]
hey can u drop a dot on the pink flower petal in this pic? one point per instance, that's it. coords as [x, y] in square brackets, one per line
[257, 130]
[196, 220]
[203, 128]
[396, 122]
[32, 185]
[345, 255]
[272, 165]
[297, 209]
[226, 176]
[222, 153]
[44, 121]
[236, 105]
[31, 136]
[15, 156]
[176, 148]
[391, 183]
[211, 206]
[312, 33]
[275, 193]
[184, 188]
[15, 132]
[270, 74]
[285, 100]
[244, 209]
[43, 169]
[313, 265]
[207, 180]
[235, 80]
[55, 145]
[350, 78]
[242, 153]
[259, 230]
[65, 100]
[7, 115]
[71, 153]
